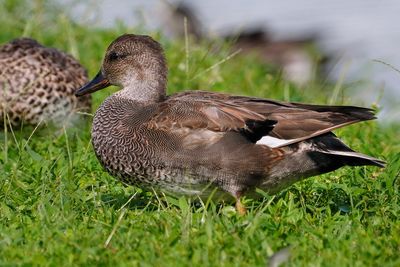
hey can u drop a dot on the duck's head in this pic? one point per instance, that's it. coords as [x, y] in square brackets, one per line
[136, 63]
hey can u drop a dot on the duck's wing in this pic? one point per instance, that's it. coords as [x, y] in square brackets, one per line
[264, 121]
[295, 122]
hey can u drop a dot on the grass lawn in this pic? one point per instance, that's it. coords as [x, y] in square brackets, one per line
[58, 207]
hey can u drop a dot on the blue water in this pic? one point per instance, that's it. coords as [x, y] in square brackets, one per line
[357, 31]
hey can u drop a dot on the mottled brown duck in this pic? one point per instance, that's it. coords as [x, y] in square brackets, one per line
[37, 84]
[193, 142]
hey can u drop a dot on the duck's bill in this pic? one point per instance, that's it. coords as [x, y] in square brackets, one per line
[98, 83]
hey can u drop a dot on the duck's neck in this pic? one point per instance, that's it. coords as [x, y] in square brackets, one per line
[149, 91]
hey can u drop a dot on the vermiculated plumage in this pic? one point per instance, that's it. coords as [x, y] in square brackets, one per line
[37, 83]
[192, 142]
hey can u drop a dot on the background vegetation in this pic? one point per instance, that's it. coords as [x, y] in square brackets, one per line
[59, 208]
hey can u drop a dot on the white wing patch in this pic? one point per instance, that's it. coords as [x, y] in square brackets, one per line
[274, 142]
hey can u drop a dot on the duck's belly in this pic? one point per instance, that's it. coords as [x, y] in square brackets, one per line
[172, 183]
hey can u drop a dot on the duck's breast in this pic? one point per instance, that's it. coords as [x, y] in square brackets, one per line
[124, 144]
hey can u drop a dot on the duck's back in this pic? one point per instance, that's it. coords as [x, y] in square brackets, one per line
[38, 83]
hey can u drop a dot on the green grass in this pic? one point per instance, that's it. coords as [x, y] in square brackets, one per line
[59, 208]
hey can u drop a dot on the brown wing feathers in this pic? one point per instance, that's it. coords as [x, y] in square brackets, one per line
[255, 117]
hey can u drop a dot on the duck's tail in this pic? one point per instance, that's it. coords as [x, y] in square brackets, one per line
[337, 154]
[318, 155]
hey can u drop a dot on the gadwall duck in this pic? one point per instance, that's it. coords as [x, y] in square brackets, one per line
[199, 143]
[37, 83]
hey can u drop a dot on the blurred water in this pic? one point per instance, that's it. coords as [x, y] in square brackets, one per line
[358, 31]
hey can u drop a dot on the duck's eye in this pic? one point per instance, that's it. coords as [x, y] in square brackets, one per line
[115, 56]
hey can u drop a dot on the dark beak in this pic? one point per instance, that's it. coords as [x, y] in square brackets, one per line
[98, 82]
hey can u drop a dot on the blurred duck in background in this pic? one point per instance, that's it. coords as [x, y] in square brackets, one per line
[298, 59]
[37, 84]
